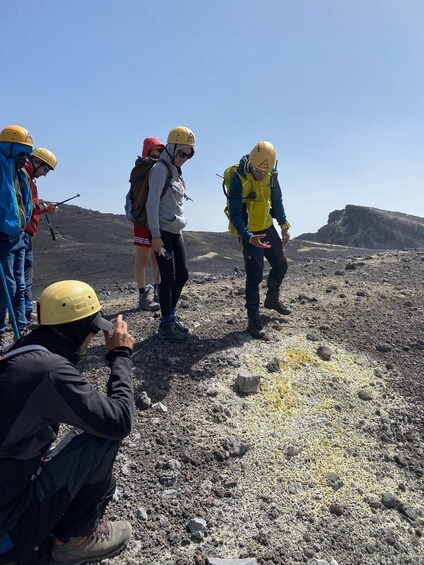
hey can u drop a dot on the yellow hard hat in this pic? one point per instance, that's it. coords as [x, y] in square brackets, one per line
[66, 301]
[16, 134]
[45, 155]
[262, 156]
[181, 135]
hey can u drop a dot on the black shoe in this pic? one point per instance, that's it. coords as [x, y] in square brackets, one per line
[277, 306]
[169, 331]
[255, 329]
[179, 324]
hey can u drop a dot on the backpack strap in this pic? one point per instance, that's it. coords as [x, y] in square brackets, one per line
[168, 178]
[7, 354]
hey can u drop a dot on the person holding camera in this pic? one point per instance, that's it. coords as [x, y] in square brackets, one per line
[61, 493]
[165, 215]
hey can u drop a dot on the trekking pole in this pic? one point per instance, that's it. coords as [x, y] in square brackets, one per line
[9, 304]
[68, 199]
[50, 227]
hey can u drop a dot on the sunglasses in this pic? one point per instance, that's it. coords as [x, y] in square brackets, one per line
[257, 171]
[184, 155]
[46, 169]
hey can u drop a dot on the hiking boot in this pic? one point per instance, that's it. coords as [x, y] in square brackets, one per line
[179, 324]
[169, 331]
[107, 540]
[277, 306]
[145, 303]
[255, 329]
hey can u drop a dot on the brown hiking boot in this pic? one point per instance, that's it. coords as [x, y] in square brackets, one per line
[146, 303]
[107, 540]
[277, 306]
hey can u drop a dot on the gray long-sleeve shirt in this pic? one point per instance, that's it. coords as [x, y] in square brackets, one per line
[165, 212]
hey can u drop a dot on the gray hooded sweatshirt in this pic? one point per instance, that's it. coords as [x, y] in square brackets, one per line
[166, 213]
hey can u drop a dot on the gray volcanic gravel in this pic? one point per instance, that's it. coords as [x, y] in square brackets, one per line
[324, 464]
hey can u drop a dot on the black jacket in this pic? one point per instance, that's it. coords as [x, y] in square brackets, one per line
[38, 391]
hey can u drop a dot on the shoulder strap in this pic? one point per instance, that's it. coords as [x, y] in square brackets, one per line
[168, 178]
[20, 350]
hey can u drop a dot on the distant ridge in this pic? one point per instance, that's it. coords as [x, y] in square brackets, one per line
[98, 248]
[361, 226]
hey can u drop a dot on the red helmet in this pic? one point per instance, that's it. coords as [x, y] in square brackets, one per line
[151, 143]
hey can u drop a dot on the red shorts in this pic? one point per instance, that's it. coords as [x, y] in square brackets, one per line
[142, 237]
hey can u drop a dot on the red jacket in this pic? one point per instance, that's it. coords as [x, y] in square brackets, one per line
[32, 225]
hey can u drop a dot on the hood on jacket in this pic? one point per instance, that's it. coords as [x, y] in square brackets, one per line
[242, 168]
[151, 143]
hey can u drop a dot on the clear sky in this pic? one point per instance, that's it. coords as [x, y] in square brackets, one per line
[336, 85]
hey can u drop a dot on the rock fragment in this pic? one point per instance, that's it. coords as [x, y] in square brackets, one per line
[197, 528]
[324, 352]
[365, 395]
[247, 383]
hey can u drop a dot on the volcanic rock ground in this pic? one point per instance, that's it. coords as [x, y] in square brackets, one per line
[325, 463]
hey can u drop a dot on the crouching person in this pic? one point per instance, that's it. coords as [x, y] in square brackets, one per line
[62, 491]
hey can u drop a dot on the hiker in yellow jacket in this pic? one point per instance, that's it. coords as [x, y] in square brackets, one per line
[254, 201]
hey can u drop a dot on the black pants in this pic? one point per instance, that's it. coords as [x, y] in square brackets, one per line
[254, 265]
[68, 496]
[173, 271]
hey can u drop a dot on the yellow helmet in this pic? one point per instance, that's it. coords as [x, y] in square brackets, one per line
[66, 301]
[181, 135]
[16, 134]
[45, 155]
[262, 156]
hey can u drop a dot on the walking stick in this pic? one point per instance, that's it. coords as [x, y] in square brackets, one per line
[9, 304]
[68, 199]
[50, 227]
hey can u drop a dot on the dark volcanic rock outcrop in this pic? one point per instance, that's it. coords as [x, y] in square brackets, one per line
[360, 226]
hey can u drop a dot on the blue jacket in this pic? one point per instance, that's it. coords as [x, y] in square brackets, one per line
[14, 191]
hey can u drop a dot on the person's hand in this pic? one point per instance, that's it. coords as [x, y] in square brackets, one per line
[285, 236]
[256, 240]
[120, 336]
[157, 245]
[51, 208]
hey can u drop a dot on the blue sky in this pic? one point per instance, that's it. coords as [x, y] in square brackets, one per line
[336, 85]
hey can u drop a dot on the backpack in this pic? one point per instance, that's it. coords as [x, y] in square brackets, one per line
[136, 198]
[228, 175]
[246, 192]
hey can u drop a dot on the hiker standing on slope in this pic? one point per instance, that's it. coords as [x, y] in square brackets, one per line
[41, 162]
[254, 200]
[152, 148]
[165, 216]
[15, 213]
[62, 491]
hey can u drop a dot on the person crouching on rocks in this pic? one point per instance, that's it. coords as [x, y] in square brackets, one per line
[62, 491]
[165, 217]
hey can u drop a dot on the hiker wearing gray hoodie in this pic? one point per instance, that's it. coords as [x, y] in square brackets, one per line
[165, 215]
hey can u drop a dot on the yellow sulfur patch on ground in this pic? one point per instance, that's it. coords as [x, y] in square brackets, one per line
[312, 407]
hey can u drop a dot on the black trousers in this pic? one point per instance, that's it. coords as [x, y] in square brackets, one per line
[173, 271]
[254, 266]
[68, 496]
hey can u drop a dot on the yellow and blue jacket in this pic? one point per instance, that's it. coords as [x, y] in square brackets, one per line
[252, 203]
